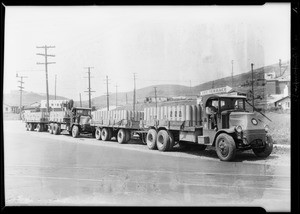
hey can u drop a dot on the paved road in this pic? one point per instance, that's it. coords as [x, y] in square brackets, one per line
[44, 169]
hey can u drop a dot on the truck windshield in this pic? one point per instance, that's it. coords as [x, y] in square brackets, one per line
[232, 103]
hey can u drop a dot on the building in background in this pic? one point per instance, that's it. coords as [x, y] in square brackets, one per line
[54, 105]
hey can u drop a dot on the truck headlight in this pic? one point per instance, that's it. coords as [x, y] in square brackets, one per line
[239, 129]
[266, 128]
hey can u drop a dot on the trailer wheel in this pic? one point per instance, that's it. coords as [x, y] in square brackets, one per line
[151, 139]
[30, 127]
[105, 134]
[56, 129]
[122, 136]
[172, 141]
[39, 127]
[75, 131]
[163, 140]
[98, 133]
[27, 127]
[50, 128]
[225, 147]
[267, 150]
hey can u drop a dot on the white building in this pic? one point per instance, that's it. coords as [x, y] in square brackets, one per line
[54, 104]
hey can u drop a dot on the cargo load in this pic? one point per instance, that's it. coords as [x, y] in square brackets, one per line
[36, 117]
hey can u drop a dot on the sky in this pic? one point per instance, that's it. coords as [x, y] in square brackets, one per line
[185, 45]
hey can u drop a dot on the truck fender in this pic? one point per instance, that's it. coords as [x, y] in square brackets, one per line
[229, 131]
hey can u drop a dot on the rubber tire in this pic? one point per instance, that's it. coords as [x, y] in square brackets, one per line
[98, 133]
[172, 141]
[265, 152]
[56, 129]
[229, 143]
[122, 136]
[105, 134]
[27, 127]
[151, 139]
[39, 127]
[30, 127]
[163, 141]
[50, 128]
[75, 131]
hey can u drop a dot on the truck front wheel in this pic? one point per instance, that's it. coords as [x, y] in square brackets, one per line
[267, 150]
[151, 139]
[225, 147]
[75, 131]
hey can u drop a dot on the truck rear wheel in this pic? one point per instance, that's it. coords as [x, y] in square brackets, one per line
[267, 150]
[163, 140]
[56, 129]
[39, 127]
[30, 127]
[105, 134]
[225, 147]
[98, 133]
[122, 136]
[151, 139]
[50, 128]
[75, 131]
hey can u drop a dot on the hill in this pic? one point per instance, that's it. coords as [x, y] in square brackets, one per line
[241, 82]
[13, 98]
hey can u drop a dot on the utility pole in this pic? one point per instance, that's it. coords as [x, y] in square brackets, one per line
[116, 95]
[21, 90]
[252, 86]
[126, 99]
[134, 95]
[155, 100]
[280, 67]
[107, 95]
[46, 67]
[55, 87]
[190, 87]
[231, 73]
[89, 88]
[80, 99]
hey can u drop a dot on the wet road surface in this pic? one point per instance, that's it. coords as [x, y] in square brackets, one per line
[44, 169]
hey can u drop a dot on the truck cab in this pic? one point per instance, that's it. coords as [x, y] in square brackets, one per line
[232, 127]
[80, 119]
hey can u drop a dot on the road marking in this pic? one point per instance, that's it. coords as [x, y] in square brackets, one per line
[143, 182]
[144, 170]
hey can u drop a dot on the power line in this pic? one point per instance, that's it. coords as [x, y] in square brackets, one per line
[21, 90]
[89, 88]
[46, 67]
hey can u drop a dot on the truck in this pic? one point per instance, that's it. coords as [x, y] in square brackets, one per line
[75, 121]
[234, 128]
[121, 124]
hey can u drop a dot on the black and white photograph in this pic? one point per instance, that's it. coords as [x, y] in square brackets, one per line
[148, 106]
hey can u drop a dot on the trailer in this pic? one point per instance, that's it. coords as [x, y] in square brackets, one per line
[121, 124]
[36, 121]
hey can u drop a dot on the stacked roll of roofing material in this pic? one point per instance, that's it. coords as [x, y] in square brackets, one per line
[189, 113]
[117, 115]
